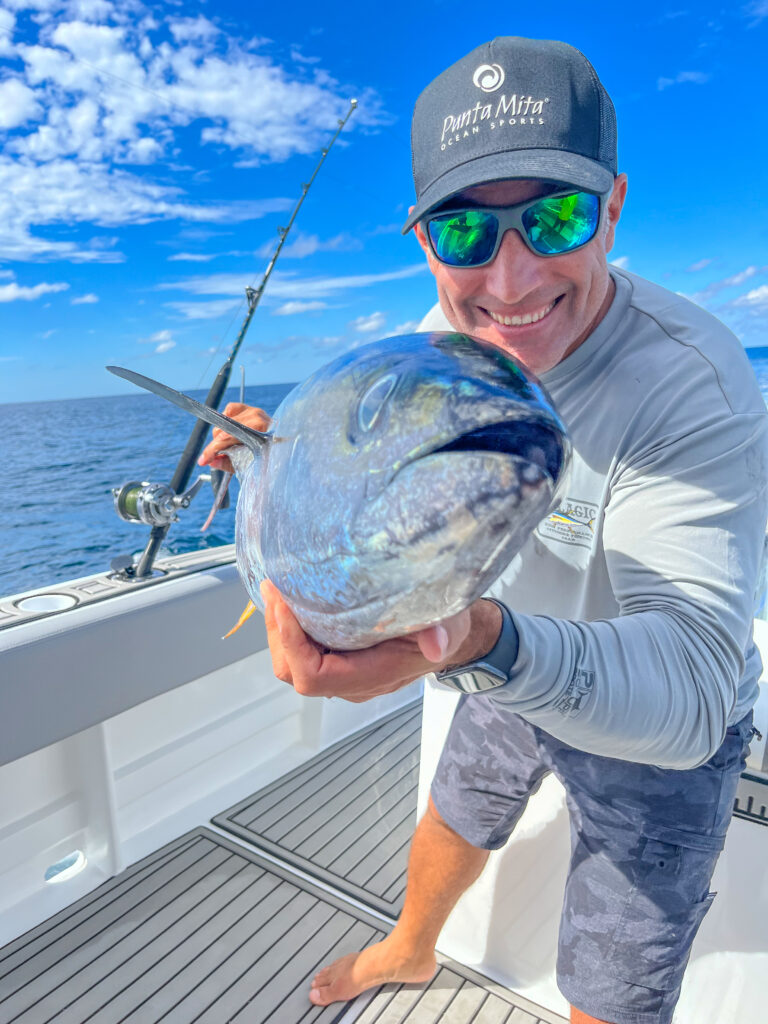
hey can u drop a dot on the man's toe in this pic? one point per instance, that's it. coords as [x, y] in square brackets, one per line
[314, 996]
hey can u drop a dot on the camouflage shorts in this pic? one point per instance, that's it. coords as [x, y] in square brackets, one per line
[645, 842]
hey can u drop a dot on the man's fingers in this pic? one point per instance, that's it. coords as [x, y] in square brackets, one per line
[300, 652]
[280, 666]
[354, 675]
[221, 462]
[211, 454]
[250, 416]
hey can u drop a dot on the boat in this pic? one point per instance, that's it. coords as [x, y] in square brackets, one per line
[183, 837]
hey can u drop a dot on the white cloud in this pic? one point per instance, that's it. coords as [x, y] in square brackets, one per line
[85, 300]
[758, 10]
[205, 310]
[408, 327]
[32, 5]
[90, 10]
[7, 24]
[162, 340]
[291, 308]
[369, 324]
[18, 104]
[311, 346]
[699, 265]
[159, 336]
[193, 28]
[756, 299]
[299, 58]
[95, 44]
[727, 282]
[12, 292]
[622, 262]
[147, 89]
[191, 257]
[308, 245]
[199, 234]
[741, 277]
[287, 285]
[694, 77]
[387, 229]
[64, 191]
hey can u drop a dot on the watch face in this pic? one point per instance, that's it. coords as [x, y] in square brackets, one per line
[474, 681]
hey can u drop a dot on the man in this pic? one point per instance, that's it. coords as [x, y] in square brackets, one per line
[619, 654]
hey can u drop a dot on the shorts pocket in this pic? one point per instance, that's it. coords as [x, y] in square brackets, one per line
[665, 905]
[734, 750]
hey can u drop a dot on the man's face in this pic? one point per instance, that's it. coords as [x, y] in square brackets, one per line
[562, 297]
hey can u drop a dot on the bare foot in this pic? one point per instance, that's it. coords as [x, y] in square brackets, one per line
[350, 975]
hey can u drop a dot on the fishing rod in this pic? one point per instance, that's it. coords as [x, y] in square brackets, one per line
[157, 505]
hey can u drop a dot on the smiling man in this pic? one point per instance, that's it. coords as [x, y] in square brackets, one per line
[617, 650]
[539, 310]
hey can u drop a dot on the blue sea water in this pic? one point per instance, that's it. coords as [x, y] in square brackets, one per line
[57, 520]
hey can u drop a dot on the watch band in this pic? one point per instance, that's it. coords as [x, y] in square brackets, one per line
[492, 670]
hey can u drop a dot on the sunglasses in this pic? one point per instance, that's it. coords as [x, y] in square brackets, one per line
[549, 226]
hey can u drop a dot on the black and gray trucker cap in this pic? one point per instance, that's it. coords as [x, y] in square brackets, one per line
[512, 108]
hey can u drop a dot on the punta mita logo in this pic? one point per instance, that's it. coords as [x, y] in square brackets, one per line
[504, 112]
[489, 77]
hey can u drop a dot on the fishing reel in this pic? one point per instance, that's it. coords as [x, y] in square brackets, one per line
[158, 504]
[153, 504]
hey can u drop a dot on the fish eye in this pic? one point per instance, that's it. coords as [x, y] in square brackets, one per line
[373, 401]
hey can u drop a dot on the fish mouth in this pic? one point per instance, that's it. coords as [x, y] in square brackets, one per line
[535, 443]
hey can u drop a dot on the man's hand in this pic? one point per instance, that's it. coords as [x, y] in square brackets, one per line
[247, 414]
[359, 675]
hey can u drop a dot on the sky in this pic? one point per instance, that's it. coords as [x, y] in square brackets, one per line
[149, 154]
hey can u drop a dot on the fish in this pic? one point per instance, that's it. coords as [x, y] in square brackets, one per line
[394, 485]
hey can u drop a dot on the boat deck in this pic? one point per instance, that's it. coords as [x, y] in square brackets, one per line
[347, 816]
[215, 928]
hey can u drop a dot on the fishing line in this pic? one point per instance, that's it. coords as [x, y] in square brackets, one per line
[223, 340]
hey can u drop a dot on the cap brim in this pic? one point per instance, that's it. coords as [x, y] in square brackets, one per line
[542, 164]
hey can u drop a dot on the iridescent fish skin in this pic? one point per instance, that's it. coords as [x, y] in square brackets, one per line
[359, 515]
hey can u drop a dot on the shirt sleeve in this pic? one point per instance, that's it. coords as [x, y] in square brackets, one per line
[683, 536]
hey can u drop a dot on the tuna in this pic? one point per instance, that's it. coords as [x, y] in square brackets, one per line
[394, 486]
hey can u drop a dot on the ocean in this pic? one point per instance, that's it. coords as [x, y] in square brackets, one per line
[57, 520]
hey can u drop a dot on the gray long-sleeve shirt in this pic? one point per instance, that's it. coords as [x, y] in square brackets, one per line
[634, 600]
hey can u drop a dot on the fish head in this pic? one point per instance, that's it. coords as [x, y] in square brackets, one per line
[382, 407]
[404, 476]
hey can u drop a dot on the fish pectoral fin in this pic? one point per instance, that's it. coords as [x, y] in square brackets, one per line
[218, 501]
[248, 611]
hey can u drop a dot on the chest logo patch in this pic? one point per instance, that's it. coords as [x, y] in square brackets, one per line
[572, 523]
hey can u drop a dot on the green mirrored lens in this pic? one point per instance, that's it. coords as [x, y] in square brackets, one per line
[560, 223]
[463, 239]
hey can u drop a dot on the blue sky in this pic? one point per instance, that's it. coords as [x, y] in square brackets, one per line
[148, 154]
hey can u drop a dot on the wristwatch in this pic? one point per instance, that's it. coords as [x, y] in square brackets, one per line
[492, 670]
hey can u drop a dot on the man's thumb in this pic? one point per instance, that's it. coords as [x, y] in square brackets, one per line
[438, 642]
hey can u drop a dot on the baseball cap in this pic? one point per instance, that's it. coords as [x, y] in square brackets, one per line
[512, 108]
